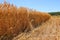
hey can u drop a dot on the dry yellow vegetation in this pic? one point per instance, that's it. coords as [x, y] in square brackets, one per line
[14, 21]
[49, 30]
[25, 24]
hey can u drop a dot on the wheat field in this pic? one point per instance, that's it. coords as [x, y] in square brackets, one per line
[25, 24]
[15, 21]
[49, 30]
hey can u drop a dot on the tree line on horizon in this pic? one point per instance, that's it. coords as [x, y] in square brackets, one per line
[54, 13]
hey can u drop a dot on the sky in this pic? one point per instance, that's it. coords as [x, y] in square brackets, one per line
[39, 5]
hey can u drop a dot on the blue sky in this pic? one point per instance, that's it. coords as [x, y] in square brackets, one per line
[39, 5]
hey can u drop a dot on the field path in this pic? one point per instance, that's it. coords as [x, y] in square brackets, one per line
[47, 31]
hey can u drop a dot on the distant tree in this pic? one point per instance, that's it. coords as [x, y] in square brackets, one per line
[54, 13]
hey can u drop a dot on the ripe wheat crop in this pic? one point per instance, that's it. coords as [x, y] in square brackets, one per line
[14, 21]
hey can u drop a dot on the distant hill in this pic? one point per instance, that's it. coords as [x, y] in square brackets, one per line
[54, 13]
